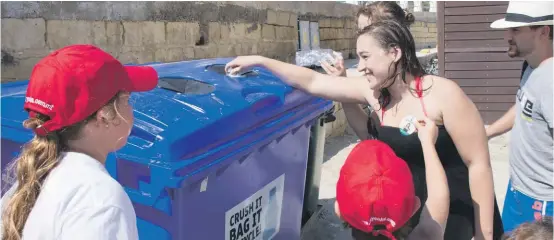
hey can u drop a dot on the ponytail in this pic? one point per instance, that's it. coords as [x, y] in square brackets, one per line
[36, 160]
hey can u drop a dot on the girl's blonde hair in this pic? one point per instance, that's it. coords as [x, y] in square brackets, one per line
[36, 160]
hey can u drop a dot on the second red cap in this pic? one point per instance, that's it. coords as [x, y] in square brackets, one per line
[375, 188]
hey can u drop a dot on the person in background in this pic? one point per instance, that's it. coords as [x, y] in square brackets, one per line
[355, 114]
[396, 87]
[530, 190]
[78, 104]
[383, 10]
[376, 196]
[368, 13]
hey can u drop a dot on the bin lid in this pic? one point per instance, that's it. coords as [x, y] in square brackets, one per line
[195, 111]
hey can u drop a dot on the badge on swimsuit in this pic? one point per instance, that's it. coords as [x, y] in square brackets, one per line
[407, 125]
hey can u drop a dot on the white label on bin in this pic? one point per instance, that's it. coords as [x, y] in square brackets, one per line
[204, 185]
[259, 216]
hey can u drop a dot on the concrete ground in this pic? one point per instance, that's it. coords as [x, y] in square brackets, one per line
[326, 226]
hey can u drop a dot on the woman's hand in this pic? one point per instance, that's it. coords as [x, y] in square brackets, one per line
[242, 63]
[427, 130]
[338, 69]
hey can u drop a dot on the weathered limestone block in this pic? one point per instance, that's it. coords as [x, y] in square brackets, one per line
[61, 33]
[20, 34]
[283, 18]
[173, 54]
[268, 32]
[214, 32]
[293, 21]
[144, 33]
[285, 33]
[271, 17]
[182, 33]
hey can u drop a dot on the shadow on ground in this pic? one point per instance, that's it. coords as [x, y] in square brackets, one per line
[334, 228]
[336, 144]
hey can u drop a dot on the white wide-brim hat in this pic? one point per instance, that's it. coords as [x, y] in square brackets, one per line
[531, 13]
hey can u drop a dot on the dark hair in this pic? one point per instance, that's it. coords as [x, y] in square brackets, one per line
[399, 234]
[386, 10]
[391, 34]
[549, 27]
[540, 229]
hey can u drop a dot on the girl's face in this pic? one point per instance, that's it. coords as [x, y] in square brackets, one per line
[363, 21]
[122, 123]
[375, 63]
[125, 109]
[109, 131]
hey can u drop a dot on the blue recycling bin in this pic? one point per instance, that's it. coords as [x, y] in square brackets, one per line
[209, 156]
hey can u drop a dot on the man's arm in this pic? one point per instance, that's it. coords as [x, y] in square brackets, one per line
[503, 124]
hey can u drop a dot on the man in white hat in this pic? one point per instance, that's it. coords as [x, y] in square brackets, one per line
[530, 190]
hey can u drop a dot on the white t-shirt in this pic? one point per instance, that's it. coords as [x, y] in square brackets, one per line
[80, 200]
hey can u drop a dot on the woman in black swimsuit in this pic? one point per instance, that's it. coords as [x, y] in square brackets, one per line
[395, 86]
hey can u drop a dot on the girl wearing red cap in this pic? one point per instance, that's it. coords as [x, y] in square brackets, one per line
[78, 105]
[396, 87]
[376, 196]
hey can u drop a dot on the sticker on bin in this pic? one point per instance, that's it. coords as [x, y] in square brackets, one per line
[258, 216]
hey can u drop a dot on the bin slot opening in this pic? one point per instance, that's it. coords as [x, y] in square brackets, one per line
[220, 68]
[185, 85]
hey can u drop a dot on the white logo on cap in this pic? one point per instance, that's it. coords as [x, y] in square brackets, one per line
[380, 219]
[39, 102]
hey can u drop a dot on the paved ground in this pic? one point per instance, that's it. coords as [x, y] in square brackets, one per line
[328, 227]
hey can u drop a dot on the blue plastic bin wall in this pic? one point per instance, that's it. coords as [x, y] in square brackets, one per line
[221, 160]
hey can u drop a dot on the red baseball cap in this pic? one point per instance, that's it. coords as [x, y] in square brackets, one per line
[375, 188]
[73, 82]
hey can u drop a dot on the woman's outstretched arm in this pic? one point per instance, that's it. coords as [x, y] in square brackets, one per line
[339, 89]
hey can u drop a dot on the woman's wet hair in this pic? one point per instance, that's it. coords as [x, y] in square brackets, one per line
[391, 34]
[386, 10]
[36, 160]
[539, 229]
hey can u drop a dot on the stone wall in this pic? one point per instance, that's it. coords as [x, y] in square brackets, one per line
[141, 32]
[339, 35]
[424, 30]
